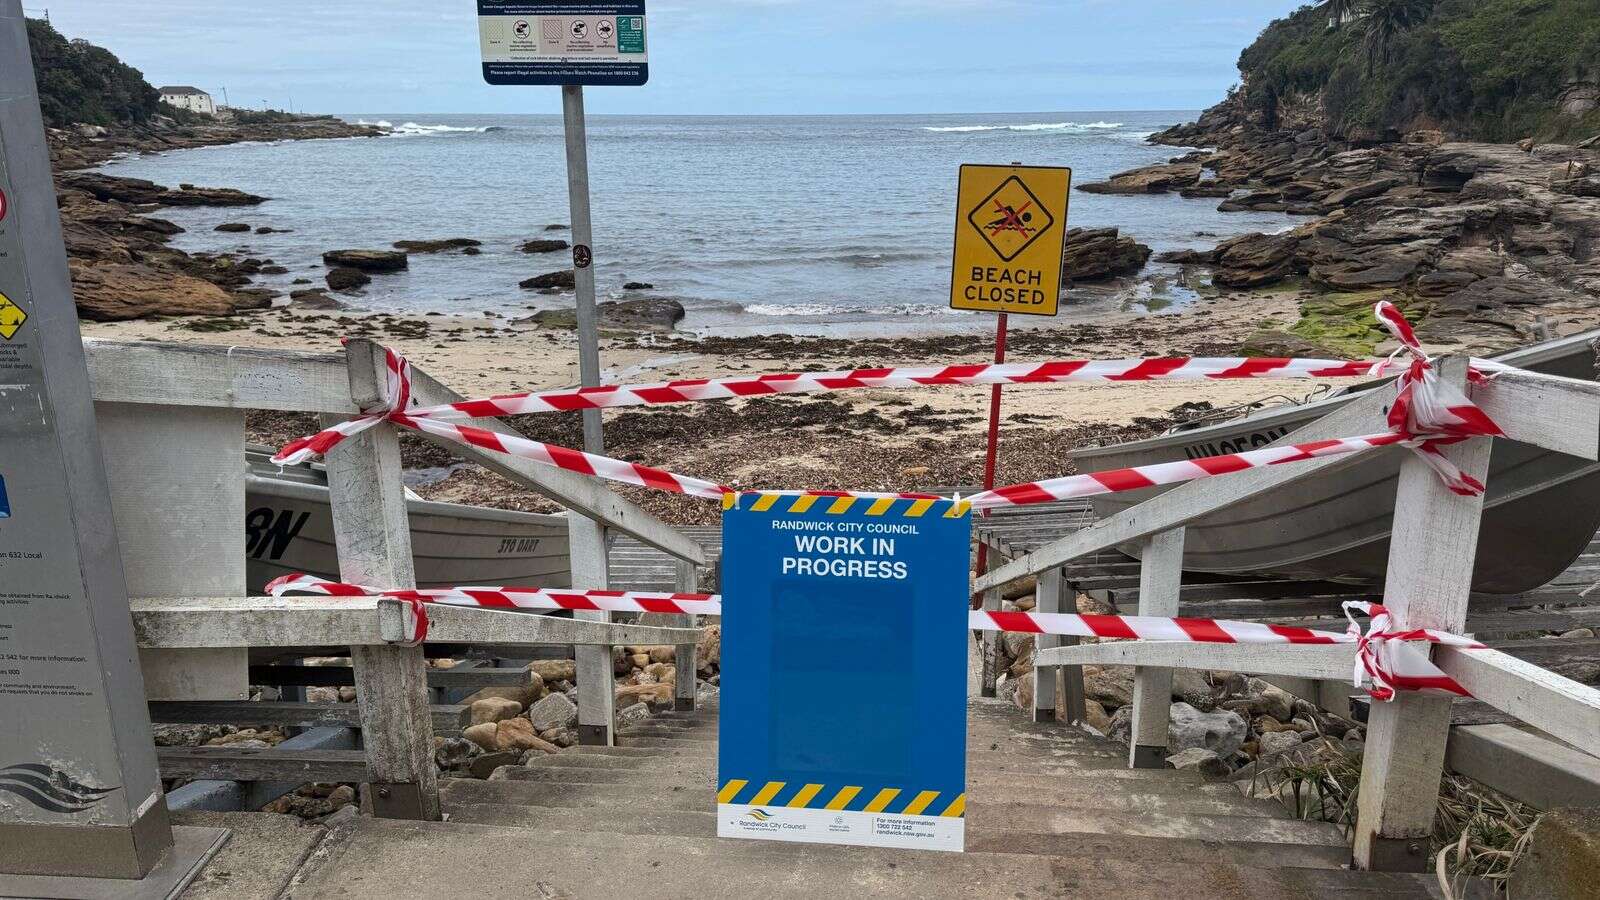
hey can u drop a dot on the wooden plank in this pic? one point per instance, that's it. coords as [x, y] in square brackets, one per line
[475, 625]
[1187, 502]
[1558, 706]
[587, 496]
[212, 375]
[1428, 582]
[989, 647]
[1549, 411]
[233, 764]
[177, 495]
[1330, 661]
[1159, 579]
[684, 661]
[373, 536]
[1047, 599]
[446, 717]
[1524, 766]
[597, 713]
[188, 622]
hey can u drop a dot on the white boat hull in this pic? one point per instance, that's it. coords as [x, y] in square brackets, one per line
[289, 529]
[1541, 508]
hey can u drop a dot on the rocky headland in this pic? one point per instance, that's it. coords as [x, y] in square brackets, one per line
[1486, 245]
[117, 248]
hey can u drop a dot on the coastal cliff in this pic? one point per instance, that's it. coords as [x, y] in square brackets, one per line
[1488, 244]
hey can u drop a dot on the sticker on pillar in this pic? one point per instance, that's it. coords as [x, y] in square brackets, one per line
[2, 205]
[844, 662]
[5, 502]
[11, 318]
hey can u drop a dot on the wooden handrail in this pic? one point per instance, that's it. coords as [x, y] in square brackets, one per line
[148, 372]
[220, 622]
[1547, 411]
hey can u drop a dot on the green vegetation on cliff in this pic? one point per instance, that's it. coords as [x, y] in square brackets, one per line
[1493, 70]
[82, 83]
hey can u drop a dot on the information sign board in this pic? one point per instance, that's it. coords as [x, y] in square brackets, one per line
[563, 42]
[844, 671]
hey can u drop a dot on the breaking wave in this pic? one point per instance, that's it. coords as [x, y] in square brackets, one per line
[1068, 127]
[831, 309]
[412, 128]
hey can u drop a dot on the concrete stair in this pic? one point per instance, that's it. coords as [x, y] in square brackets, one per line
[1052, 812]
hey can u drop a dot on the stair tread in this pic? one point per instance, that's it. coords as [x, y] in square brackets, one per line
[385, 857]
[984, 836]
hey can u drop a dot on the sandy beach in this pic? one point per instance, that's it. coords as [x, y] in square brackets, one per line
[867, 440]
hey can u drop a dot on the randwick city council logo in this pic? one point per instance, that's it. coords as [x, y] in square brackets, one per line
[760, 815]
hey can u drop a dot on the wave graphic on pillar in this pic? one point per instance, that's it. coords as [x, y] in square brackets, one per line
[50, 789]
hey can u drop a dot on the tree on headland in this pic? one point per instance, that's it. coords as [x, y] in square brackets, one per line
[1387, 20]
[81, 83]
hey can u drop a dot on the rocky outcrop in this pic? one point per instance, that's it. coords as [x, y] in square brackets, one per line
[437, 246]
[1156, 179]
[1093, 254]
[541, 245]
[647, 314]
[565, 278]
[367, 260]
[1255, 260]
[110, 292]
[347, 278]
[138, 191]
[1480, 240]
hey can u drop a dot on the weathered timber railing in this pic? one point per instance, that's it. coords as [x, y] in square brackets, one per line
[173, 418]
[1434, 540]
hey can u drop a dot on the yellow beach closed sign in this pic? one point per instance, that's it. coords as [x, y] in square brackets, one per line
[1011, 227]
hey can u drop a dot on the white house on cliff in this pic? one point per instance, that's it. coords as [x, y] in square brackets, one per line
[190, 98]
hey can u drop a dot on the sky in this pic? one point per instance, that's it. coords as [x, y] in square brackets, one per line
[737, 57]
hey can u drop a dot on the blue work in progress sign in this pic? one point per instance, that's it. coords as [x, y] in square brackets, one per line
[563, 42]
[844, 670]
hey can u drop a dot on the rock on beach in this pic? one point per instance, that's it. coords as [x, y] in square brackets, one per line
[367, 260]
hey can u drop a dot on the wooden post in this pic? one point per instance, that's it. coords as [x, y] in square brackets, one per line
[989, 647]
[1053, 682]
[1160, 576]
[1431, 551]
[597, 698]
[683, 657]
[1046, 599]
[373, 537]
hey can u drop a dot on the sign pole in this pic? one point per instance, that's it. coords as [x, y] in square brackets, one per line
[590, 563]
[994, 433]
[583, 257]
[572, 43]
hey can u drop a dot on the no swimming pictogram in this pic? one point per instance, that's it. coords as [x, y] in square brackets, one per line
[1011, 218]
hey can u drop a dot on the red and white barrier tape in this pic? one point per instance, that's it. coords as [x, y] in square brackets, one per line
[1426, 415]
[1058, 372]
[1384, 657]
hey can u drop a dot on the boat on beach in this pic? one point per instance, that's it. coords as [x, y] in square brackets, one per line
[289, 528]
[1540, 510]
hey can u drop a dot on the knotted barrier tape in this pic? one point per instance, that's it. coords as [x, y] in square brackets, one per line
[1384, 656]
[1427, 414]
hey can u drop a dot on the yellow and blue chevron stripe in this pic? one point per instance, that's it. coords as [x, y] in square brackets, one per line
[800, 504]
[844, 798]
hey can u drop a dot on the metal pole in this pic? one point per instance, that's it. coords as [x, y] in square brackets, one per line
[994, 432]
[583, 257]
[596, 702]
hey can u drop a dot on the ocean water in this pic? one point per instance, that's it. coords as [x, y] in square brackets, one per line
[830, 224]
